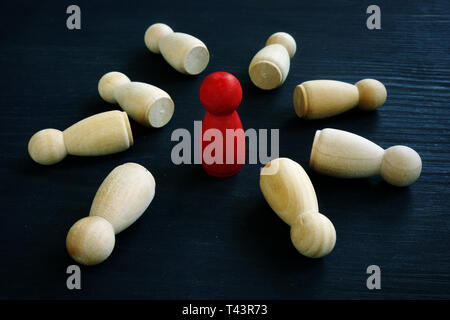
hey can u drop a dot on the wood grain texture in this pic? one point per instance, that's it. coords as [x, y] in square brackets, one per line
[100, 134]
[343, 154]
[269, 67]
[121, 199]
[124, 195]
[185, 53]
[149, 105]
[213, 238]
[290, 193]
[318, 99]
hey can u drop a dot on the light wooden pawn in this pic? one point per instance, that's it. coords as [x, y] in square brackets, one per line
[343, 154]
[101, 134]
[269, 68]
[146, 104]
[182, 51]
[290, 193]
[122, 198]
[317, 99]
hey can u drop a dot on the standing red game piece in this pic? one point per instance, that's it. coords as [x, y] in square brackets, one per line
[220, 95]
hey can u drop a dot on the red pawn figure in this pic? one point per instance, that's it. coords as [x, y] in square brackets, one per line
[222, 136]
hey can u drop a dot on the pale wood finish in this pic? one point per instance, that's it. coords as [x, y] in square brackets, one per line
[90, 240]
[124, 195]
[183, 52]
[122, 198]
[146, 104]
[401, 166]
[317, 99]
[286, 40]
[154, 33]
[343, 154]
[290, 193]
[346, 155]
[47, 146]
[372, 94]
[313, 234]
[270, 66]
[108, 84]
[287, 189]
[101, 134]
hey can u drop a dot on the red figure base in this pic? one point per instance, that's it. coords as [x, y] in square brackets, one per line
[236, 143]
[221, 174]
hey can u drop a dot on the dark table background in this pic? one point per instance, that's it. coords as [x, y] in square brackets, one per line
[204, 237]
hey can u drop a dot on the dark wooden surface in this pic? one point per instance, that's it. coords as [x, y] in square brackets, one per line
[212, 238]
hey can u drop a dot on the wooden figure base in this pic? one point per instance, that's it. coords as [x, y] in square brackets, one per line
[266, 75]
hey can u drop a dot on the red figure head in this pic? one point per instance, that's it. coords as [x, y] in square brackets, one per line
[220, 93]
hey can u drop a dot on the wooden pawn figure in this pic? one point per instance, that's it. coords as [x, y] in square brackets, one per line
[270, 66]
[290, 193]
[182, 51]
[343, 154]
[222, 136]
[146, 104]
[122, 198]
[317, 99]
[101, 134]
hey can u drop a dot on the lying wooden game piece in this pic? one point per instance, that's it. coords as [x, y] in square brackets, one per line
[270, 66]
[290, 193]
[121, 199]
[346, 155]
[183, 52]
[319, 99]
[146, 104]
[101, 134]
